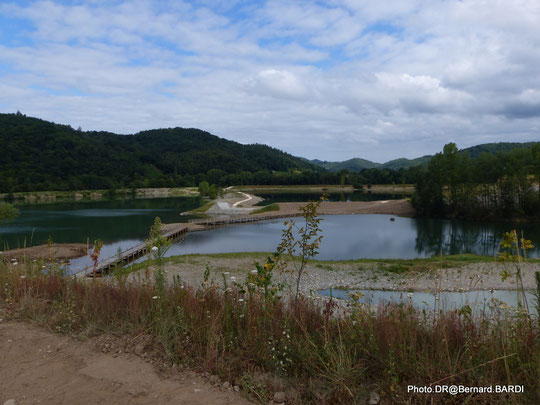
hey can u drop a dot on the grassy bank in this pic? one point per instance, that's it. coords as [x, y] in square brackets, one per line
[316, 353]
[267, 208]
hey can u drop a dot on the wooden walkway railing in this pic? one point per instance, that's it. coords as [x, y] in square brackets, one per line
[136, 252]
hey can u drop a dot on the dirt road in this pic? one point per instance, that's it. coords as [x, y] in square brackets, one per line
[38, 367]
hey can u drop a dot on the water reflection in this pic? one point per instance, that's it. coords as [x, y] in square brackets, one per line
[365, 236]
[454, 237]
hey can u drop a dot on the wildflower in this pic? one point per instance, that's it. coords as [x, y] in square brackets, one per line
[154, 248]
[253, 271]
[15, 263]
[233, 278]
[226, 273]
[240, 300]
[155, 297]
[241, 315]
[267, 266]
[23, 276]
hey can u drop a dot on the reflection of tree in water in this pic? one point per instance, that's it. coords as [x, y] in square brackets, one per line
[451, 237]
[434, 237]
[429, 237]
[471, 238]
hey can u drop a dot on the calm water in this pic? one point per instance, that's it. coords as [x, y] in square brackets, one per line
[365, 236]
[479, 301]
[271, 198]
[125, 223]
[111, 220]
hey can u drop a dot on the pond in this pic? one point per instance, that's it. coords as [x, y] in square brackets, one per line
[125, 223]
[479, 301]
[365, 236]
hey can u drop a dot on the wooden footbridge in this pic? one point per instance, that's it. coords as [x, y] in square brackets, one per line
[172, 232]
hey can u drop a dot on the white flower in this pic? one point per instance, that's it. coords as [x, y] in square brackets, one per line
[154, 248]
[23, 276]
[226, 273]
[410, 294]
[155, 297]
[233, 278]
[15, 263]
[241, 315]
[240, 300]
[254, 272]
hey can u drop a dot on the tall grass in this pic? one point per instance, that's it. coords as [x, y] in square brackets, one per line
[321, 352]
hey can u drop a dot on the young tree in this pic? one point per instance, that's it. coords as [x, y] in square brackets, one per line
[305, 243]
[7, 212]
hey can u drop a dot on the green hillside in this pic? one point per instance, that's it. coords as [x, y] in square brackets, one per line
[353, 165]
[41, 155]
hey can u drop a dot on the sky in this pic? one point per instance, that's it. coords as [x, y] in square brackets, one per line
[331, 80]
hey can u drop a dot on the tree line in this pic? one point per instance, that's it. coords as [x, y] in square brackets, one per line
[494, 185]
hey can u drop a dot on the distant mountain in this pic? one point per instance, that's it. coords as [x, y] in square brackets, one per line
[404, 163]
[475, 151]
[357, 164]
[41, 155]
[353, 165]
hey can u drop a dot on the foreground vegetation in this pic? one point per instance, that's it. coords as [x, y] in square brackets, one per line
[317, 353]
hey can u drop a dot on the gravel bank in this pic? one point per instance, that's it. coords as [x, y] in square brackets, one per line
[355, 274]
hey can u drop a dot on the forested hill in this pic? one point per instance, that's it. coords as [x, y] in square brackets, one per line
[40, 155]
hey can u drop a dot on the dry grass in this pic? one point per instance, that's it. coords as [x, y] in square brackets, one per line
[319, 353]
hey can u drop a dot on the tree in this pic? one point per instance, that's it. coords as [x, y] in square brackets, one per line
[307, 241]
[7, 212]
[204, 187]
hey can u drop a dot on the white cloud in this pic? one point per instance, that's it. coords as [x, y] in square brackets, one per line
[331, 80]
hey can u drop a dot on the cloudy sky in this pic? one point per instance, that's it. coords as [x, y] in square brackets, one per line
[329, 79]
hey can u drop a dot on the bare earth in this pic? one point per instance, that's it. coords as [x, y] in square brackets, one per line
[402, 208]
[38, 367]
[55, 250]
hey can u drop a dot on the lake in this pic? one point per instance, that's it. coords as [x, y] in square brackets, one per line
[108, 220]
[125, 223]
[365, 236]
